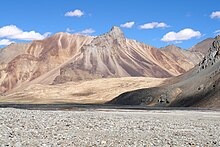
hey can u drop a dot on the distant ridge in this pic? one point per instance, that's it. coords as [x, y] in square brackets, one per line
[202, 46]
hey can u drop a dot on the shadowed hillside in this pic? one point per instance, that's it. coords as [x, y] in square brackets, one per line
[199, 87]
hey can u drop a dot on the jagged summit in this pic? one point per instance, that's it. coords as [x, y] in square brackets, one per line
[116, 32]
[110, 38]
[217, 37]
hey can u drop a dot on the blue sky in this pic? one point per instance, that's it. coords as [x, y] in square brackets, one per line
[195, 20]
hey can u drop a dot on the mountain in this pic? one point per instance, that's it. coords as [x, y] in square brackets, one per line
[26, 62]
[199, 87]
[64, 57]
[113, 55]
[11, 51]
[202, 46]
[183, 56]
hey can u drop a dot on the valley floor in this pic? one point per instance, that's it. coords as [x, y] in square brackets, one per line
[93, 91]
[109, 127]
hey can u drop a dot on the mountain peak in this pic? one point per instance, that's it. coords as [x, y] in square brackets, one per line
[171, 47]
[217, 37]
[116, 32]
[115, 28]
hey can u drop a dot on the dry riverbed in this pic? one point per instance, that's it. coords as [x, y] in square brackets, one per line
[109, 128]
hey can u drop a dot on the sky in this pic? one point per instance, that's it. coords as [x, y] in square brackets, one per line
[154, 22]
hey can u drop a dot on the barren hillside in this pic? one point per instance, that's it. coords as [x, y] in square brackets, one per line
[197, 88]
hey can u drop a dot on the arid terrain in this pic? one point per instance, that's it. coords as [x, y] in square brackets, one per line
[65, 57]
[109, 128]
[198, 87]
[110, 73]
[74, 68]
[84, 92]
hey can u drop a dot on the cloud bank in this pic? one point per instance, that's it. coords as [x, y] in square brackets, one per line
[13, 32]
[6, 42]
[75, 13]
[128, 24]
[153, 25]
[215, 14]
[87, 31]
[184, 34]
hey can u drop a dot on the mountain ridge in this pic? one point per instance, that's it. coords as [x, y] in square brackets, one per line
[128, 52]
[202, 46]
[66, 57]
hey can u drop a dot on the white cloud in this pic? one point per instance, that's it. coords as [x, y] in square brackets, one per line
[128, 24]
[32, 35]
[153, 25]
[6, 42]
[184, 34]
[87, 31]
[69, 30]
[217, 32]
[178, 42]
[215, 14]
[13, 32]
[9, 31]
[47, 34]
[76, 13]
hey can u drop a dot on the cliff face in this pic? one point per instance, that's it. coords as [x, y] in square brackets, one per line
[198, 87]
[64, 57]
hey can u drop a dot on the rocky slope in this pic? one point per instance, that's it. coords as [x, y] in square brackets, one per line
[64, 57]
[198, 88]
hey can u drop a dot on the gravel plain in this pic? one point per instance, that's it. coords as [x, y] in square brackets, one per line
[109, 128]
